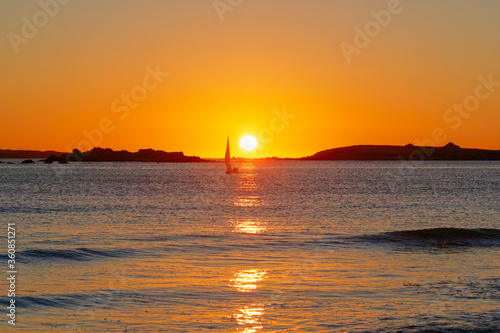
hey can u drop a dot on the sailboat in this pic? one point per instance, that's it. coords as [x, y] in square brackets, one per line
[229, 169]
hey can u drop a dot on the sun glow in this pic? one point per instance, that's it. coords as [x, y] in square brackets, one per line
[248, 142]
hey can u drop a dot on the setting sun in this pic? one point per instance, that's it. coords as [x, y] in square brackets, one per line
[248, 142]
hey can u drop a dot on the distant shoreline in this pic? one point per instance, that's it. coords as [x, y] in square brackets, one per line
[102, 155]
[450, 152]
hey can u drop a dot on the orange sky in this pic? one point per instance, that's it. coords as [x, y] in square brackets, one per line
[69, 73]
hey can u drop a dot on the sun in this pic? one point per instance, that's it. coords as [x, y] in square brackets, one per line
[248, 142]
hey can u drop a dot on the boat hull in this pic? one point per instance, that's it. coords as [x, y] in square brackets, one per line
[232, 170]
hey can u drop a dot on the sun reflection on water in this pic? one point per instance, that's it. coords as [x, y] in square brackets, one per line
[252, 330]
[247, 280]
[248, 185]
[250, 316]
[247, 201]
[249, 227]
[247, 182]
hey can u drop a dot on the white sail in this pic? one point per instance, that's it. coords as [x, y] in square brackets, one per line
[228, 156]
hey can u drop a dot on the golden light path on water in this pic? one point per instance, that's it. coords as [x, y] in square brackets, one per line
[247, 201]
[247, 182]
[249, 227]
[247, 281]
[248, 318]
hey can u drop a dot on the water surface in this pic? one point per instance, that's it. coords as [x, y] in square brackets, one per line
[280, 247]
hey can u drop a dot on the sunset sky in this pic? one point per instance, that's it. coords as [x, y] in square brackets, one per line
[296, 74]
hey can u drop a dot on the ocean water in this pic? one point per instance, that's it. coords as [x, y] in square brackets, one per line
[280, 247]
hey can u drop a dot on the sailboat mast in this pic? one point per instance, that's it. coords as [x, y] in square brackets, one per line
[228, 156]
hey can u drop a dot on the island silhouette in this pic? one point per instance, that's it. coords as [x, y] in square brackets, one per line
[101, 155]
[450, 152]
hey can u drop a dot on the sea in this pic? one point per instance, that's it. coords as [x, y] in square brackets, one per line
[281, 246]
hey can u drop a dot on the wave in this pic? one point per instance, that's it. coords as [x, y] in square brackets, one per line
[173, 237]
[100, 299]
[441, 237]
[78, 254]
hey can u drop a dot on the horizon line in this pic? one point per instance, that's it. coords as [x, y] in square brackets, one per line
[243, 157]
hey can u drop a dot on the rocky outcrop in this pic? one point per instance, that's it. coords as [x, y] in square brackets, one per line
[109, 155]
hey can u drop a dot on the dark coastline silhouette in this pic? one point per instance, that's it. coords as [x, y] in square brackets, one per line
[109, 155]
[450, 152]
[9, 153]
[100, 155]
